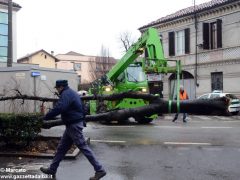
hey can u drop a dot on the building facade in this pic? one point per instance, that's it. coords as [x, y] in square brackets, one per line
[88, 68]
[41, 58]
[206, 39]
[4, 30]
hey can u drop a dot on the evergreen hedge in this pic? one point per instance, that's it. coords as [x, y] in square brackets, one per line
[19, 128]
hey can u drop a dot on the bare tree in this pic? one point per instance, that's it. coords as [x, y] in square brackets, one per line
[127, 40]
[11, 88]
[92, 67]
[100, 65]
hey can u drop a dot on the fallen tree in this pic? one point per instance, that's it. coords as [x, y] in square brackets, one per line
[156, 105]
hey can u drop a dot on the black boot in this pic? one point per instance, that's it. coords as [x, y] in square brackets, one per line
[98, 175]
[174, 119]
[48, 171]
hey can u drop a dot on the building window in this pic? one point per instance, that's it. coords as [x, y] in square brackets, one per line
[3, 51]
[3, 18]
[77, 66]
[212, 35]
[217, 81]
[4, 29]
[98, 67]
[3, 58]
[179, 42]
[3, 40]
[3, 36]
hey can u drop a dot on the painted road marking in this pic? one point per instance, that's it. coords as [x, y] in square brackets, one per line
[114, 126]
[106, 141]
[168, 117]
[204, 127]
[202, 117]
[232, 121]
[168, 126]
[222, 117]
[187, 143]
[212, 127]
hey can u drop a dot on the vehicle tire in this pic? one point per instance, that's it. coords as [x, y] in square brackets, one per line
[144, 120]
[235, 113]
[227, 113]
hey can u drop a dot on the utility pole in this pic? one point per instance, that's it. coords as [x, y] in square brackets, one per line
[10, 46]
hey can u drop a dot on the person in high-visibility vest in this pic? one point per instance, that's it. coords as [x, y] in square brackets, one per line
[182, 96]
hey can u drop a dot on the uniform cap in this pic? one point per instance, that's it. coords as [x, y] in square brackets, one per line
[60, 83]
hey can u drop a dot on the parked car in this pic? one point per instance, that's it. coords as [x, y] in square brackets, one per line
[234, 106]
[83, 93]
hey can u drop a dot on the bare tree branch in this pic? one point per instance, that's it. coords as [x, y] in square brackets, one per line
[26, 97]
[111, 97]
[126, 40]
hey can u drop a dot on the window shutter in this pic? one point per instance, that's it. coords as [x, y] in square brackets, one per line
[212, 37]
[187, 40]
[219, 33]
[205, 35]
[171, 43]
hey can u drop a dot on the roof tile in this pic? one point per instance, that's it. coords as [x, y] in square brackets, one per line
[188, 11]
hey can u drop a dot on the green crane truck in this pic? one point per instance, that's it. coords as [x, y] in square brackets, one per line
[130, 74]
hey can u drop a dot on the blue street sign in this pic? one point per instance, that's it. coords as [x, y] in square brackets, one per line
[34, 74]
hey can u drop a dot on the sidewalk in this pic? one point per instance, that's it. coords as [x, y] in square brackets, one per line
[53, 132]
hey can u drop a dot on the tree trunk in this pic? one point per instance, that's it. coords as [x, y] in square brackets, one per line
[217, 106]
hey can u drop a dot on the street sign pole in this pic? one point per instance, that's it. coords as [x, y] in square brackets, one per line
[35, 75]
[34, 92]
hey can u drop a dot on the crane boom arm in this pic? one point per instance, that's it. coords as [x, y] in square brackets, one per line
[150, 42]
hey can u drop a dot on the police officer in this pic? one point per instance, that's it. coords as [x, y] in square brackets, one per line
[70, 107]
[182, 96]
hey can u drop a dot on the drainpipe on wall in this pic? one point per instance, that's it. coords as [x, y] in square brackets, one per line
[196, 49]
[10, 47]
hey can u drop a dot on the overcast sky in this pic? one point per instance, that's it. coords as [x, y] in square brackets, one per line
[84, 26]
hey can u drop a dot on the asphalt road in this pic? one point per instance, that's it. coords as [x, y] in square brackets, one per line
[205, 148]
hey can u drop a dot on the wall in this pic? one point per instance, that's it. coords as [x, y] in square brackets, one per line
[43, 59]
[87, 64]
[20, 78]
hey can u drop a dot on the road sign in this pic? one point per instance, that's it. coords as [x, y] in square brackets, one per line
[34, 74]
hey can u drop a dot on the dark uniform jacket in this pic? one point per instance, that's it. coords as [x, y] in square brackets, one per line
[69, 106]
